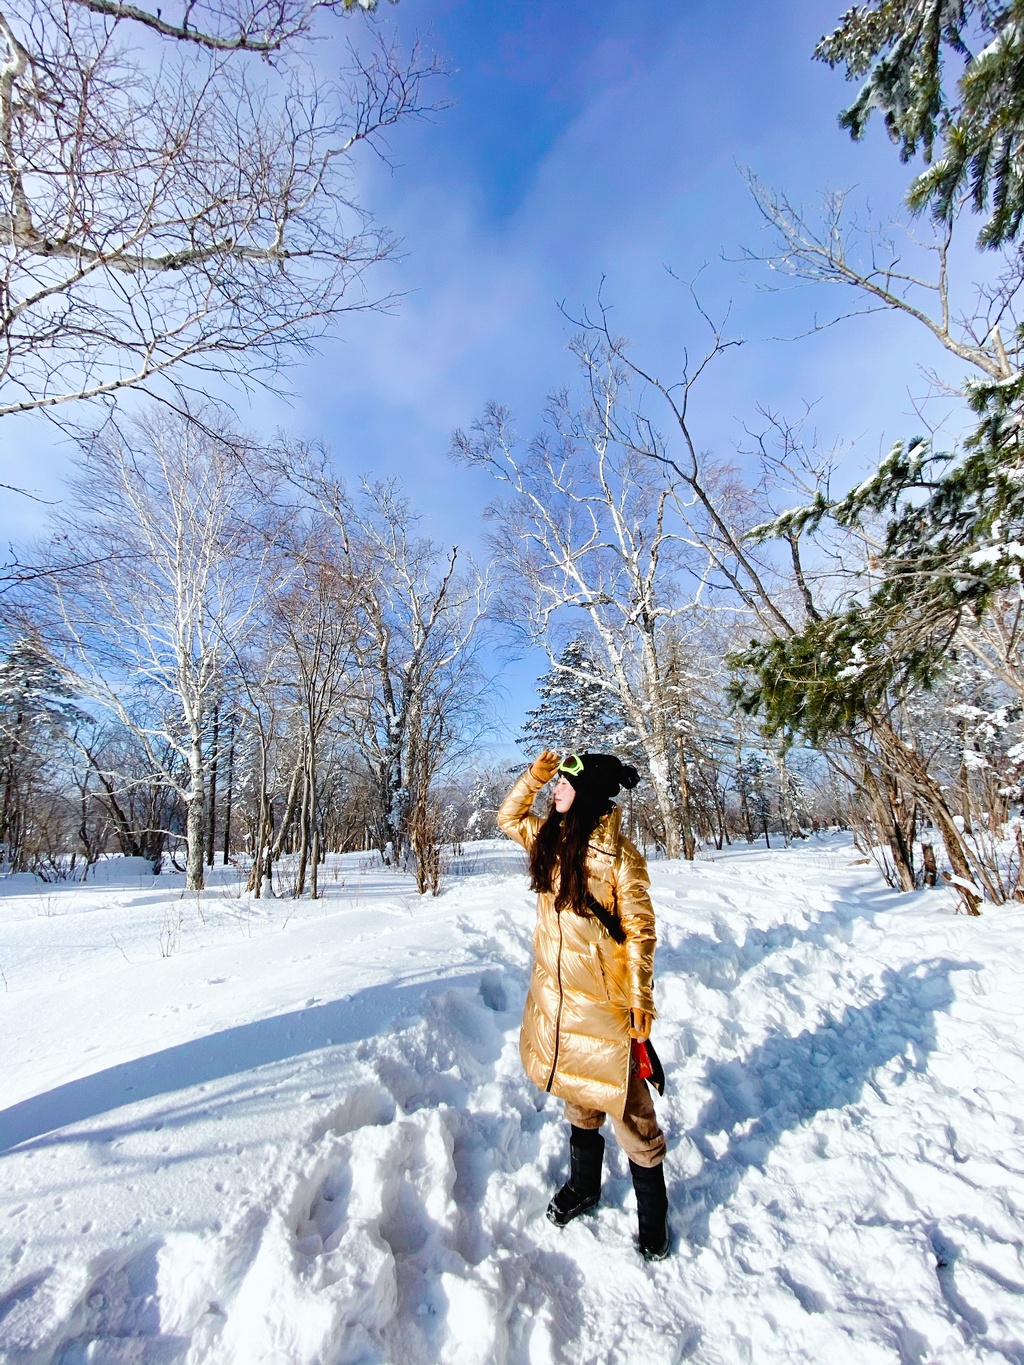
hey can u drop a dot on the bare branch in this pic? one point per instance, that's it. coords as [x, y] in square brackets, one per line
[841, 251]
[186, 217]
[264, 29]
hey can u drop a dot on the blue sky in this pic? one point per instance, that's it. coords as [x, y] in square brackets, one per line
[584, 141]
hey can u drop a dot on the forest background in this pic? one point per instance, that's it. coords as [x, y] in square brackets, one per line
[265, 619]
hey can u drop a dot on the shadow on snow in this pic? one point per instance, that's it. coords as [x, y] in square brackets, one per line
[232, 1051]
[786, 1081]
[719, 962]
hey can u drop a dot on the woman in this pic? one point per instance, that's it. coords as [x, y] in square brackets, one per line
[590, 995]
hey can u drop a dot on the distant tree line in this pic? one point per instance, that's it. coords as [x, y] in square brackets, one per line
[230, 650]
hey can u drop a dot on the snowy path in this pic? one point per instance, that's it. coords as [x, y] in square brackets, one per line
[309, 1141]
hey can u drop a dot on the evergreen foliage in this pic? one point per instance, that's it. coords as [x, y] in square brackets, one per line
[899, 46]
[488, 790]
[35, 711]
[33, 693]
[576, 711]
[953, 542]
[753, 781]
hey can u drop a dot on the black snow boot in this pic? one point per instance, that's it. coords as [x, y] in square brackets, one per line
[583, 1189]
[652, 1210]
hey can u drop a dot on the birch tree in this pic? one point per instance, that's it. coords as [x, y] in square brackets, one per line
[418, 608]
[422, 605]
[317, 620]
[586, 528]
[168, 513]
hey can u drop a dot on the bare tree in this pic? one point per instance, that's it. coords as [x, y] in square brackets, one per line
[169, 512]
[717, 512]
[421, 607]
[413, 609]
[267, 714]
[229, 25]
[317, 619]
[139, 803]
[168, 215]
[585, 529]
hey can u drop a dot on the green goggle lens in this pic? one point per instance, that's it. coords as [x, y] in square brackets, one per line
[571, 766]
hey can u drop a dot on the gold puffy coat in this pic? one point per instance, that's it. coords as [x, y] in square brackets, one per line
[575, 1036]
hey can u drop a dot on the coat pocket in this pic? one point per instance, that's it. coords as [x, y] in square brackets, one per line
[599, 976]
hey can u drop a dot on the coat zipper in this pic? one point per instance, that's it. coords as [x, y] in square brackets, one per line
[558, 1012]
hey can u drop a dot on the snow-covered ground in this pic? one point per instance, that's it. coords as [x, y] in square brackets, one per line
[269, 1133]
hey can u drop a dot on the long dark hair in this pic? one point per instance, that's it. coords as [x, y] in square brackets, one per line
[561, 845]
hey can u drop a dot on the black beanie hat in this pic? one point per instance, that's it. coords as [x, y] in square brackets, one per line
[601, 777]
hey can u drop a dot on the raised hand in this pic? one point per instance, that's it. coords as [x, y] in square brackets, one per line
[545, 765]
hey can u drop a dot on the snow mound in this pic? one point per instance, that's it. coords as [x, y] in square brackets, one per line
[134, 872]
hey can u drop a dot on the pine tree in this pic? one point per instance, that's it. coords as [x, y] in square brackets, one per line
[755, 781]
[33, 693]
[899, 45]
[576, 712]
[35, 707]
[953, 528]
[485, 795]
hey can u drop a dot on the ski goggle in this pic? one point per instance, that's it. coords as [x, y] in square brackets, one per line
[571, 766]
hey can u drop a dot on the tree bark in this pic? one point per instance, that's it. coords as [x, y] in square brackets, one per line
[230, 793]
[313, 828]
[930, 794]
[931, 872]
[212, 823]
[195, 826]
[787, 814]
[689, 843]
[300, 881]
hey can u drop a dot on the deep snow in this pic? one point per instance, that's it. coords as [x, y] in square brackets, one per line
[269, 1133]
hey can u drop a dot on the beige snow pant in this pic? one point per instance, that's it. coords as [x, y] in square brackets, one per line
[637, 1132]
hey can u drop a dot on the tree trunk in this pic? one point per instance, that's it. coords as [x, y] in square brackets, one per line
[275, 849]
[744, 795]
[230, 793]
[965, 780]
[931, 872]
[658, 761]
[195, 826]
[300, 881]
[264, 826]
[878, 809]
[313, 820]
[930, 795]
[787, 814]
[721, 831]
[427, 852]
[212, 824]
[270, 847]
[901, 849]
[685, 814]
[263, 870]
